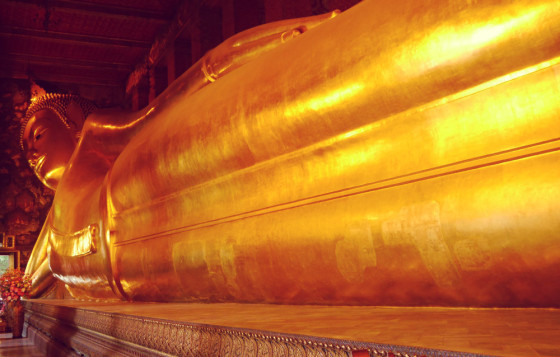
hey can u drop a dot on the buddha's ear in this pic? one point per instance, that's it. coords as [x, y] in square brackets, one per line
[75, 115]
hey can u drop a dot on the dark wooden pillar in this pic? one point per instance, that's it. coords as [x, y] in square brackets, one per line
[287, 9]
[140, 94]
[228, 19]
[196, 45]
[170, 59]
[135, 98]
[273, 10]
[152, 84]
[296, 8]
[183, 52]
[211, 21]
[248, 13]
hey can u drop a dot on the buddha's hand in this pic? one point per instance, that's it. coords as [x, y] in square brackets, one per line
[251, 43]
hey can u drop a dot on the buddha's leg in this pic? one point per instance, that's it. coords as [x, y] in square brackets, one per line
[42, 279]
[38, 265]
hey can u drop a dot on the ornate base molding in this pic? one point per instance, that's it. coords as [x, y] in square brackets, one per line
[80, 331]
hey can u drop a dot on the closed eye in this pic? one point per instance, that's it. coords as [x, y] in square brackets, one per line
[39, 133]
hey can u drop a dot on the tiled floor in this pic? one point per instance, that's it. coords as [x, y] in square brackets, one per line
[18, 347]
[504, 332]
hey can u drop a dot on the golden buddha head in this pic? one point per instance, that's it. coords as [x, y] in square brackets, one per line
[50, 131]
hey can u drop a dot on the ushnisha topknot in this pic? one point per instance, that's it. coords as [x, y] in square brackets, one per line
[59, 104]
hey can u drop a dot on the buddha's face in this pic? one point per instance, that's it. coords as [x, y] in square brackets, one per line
[48, 145]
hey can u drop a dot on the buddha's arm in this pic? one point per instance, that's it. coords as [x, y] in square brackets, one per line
[38, 265]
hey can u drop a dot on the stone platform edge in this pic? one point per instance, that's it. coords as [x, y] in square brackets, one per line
[92, 333]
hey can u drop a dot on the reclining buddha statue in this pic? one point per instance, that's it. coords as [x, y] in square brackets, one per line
[399, 153]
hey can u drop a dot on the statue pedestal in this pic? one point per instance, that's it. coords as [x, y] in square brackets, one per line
[188, 329]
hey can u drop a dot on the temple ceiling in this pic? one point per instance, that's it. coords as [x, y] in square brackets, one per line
[79, 42]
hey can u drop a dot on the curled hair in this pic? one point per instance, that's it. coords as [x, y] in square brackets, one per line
[59, 104]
